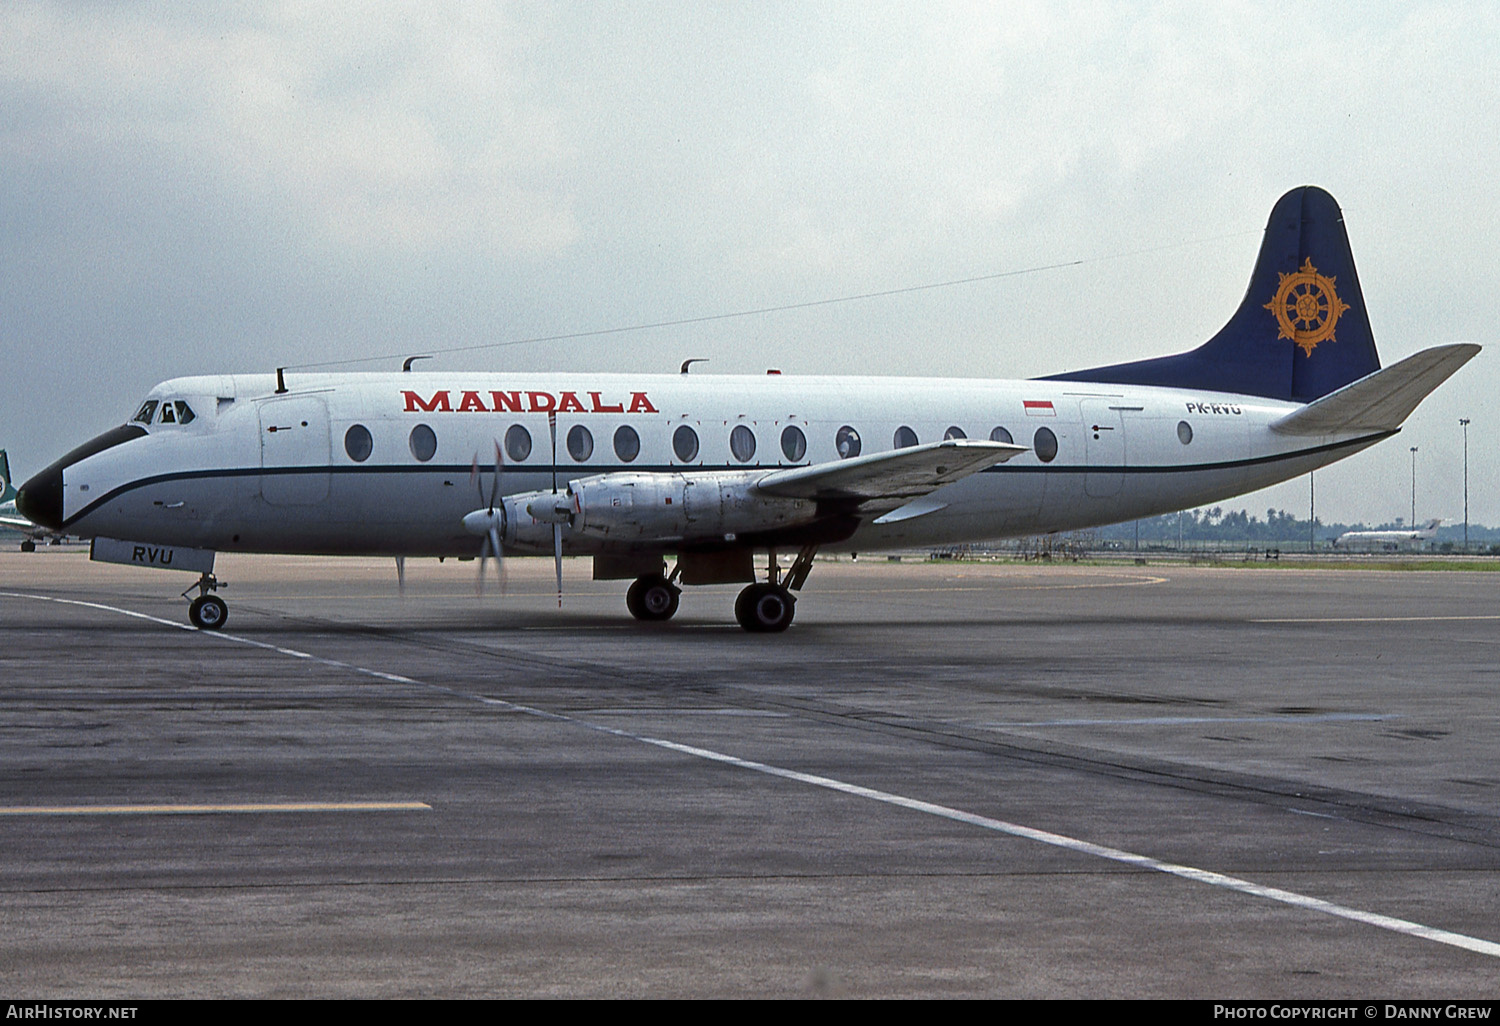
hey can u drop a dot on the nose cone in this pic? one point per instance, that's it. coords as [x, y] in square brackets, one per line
[40, 499]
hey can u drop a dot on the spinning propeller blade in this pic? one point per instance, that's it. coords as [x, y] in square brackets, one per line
[556, 527]
[490, 546]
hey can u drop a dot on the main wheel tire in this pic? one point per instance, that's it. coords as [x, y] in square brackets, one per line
[28, 545]
[765, 609]
[208, 612]
[652, 598]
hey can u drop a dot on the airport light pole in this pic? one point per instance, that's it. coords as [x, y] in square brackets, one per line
[1413, 522]
[1463, 422]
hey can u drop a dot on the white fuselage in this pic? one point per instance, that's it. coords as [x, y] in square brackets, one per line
[258, 471]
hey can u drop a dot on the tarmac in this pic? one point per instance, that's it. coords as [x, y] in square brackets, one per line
[945, 780]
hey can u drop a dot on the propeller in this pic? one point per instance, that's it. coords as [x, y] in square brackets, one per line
[556, 525]
[488, 521]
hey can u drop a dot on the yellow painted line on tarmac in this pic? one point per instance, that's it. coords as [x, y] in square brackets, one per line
[199, 810]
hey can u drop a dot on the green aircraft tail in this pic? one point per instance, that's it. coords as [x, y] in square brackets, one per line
[7, 490]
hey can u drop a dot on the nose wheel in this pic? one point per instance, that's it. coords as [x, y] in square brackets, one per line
[207, 612]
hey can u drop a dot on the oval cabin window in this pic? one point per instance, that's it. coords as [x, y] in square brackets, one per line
[358, 443]
[847, 442]
[423, 442]
[793, 444]
[627, 443]
[517, 443]
[580, 443]
[1044, 443]
[685, 444]
[742, 443]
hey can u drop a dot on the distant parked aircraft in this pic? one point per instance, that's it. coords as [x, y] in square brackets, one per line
[1388, 541]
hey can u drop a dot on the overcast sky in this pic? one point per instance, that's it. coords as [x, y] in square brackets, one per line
[195, 188]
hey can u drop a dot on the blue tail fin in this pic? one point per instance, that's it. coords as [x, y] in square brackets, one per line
[1300, 332]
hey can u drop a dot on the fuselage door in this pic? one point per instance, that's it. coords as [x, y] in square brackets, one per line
[1103, 447]
[294, 451]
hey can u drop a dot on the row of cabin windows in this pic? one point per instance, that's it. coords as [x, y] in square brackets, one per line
[579, 442]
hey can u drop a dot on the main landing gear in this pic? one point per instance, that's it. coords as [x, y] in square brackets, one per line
[768, 608]
[762, 608]
[765, 608]
[207, 612]
[653, 598]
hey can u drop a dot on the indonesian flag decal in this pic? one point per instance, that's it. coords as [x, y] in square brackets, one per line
[1038, 407]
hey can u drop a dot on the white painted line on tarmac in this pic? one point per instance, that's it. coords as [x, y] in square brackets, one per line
[768, 714]
[1172, 721]
[210, 809]
[1204, 876]
[1119, 855]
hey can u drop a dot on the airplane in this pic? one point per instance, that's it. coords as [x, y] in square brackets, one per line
[1390, 541]
[10, 518]
[710, 471]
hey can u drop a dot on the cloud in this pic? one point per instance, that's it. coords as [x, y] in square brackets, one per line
[373, 133]
[205, 189]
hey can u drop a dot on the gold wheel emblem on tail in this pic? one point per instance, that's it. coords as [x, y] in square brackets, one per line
[1307, 307]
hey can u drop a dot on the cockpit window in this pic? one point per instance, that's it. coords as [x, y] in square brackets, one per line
[166, 411]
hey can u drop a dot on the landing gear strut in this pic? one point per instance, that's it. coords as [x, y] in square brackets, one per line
[652, 597]
[768, 608]
[207, 612]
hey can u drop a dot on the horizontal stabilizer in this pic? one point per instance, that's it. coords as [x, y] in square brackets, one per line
[885, 480]
[1380, 401]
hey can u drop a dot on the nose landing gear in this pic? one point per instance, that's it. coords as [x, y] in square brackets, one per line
[207, 612]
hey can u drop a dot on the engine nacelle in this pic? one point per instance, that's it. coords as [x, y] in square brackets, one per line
[518, 530]
[675, 507]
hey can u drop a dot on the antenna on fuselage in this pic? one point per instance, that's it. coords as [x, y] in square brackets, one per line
[688, 363]
[406, 366]
[280, 381]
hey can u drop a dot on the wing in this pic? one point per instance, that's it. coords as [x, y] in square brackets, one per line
[21, 524]
[885, 480]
